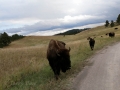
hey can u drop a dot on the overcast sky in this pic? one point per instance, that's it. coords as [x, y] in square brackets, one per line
[47, 17]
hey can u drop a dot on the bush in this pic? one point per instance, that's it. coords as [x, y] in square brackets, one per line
[4, 40]
[16, 37]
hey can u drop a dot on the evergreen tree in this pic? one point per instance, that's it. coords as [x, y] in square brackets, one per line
[1, 44]
[4, 39]
[106, 23]
[118, 19]
[112, 23]
[16, 37]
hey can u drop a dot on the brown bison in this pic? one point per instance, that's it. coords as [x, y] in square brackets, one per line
[91, 42]
[116, 28]
[111, 34]
[58, 57]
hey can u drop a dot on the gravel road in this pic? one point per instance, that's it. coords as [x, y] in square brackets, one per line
[102, 72]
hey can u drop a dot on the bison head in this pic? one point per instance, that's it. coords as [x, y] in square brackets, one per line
[64, 57]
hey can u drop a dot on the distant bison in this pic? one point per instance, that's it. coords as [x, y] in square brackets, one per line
[111, 34]
[91, 42]
[116, 28]
[58, 57]
[106, 33]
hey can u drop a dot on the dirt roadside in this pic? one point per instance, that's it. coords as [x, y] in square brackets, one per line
[102, 71]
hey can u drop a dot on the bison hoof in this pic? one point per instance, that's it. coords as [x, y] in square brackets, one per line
[56, 77]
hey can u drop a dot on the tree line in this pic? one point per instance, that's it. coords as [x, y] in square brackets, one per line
[5, 39]
[73, 31]
[112, 23]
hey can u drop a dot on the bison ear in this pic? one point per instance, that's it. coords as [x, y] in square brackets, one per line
[88, 38]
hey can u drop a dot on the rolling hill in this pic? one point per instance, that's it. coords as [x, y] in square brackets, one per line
[23, 64]
[73, 31]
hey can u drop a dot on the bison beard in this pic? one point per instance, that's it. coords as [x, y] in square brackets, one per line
[58, 57]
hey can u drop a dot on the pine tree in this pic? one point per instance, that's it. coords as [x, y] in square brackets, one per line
[106, 23]
[112, 23]
[4, 39]
[118, 19]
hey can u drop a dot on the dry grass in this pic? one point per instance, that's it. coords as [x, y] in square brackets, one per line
[25, 60]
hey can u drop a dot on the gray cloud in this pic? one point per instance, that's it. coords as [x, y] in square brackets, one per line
[27, 17]
[63, 23]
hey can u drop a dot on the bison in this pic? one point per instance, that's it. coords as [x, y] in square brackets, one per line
[58, 57]
[116, 28]
[91, 42]
[111, 34]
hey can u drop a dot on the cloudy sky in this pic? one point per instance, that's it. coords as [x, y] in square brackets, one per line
[47, 17]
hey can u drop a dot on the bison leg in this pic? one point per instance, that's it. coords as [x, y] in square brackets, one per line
[57, 72]
[56, 76]
[92, 47]
[56, 69]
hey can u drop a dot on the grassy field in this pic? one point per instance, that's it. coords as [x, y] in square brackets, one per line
[23, 64]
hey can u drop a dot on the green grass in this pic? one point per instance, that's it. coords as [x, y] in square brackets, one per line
[23, 64]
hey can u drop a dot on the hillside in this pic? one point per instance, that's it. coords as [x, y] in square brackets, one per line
[23, 64]
[73, 31]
